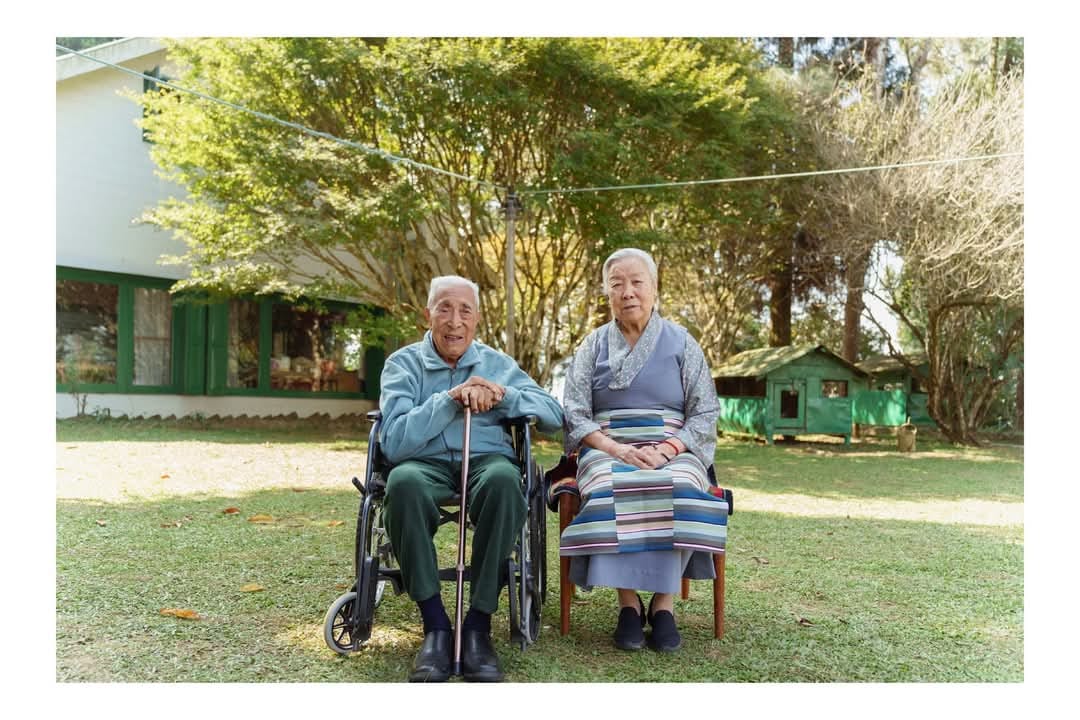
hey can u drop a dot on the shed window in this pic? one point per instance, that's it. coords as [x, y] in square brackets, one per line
[789, 404]
[740, 387]
[834, 388]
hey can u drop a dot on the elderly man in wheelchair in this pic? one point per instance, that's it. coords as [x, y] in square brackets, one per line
[426, 388]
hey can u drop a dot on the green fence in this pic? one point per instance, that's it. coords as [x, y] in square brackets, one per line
[889, 407]
[742, 415]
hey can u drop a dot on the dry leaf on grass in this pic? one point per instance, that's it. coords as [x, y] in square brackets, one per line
[172, 524]
[182, 613]
[231, 510]
[164, 476]
[804, 622]
[335, 523]
[102, 523]
[252, 587]
[761, 560]
[260, 518]
[298, 489]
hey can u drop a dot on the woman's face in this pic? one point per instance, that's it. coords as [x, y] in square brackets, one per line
[631, 292]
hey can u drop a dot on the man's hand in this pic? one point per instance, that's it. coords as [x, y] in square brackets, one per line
[478, 394]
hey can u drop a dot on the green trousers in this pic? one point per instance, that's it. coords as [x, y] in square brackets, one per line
[496, 508]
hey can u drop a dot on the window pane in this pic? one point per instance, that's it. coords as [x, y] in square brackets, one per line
[243, 344]
[834, 388]
[86, 331]
[153, 337]
[314, 351]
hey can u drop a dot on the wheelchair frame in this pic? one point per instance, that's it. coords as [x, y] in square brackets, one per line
[350, 618]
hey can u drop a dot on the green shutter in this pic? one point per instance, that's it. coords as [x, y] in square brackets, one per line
[374, 358]
[217, 348]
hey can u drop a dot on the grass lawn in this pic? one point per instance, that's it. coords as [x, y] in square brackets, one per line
[844, 565]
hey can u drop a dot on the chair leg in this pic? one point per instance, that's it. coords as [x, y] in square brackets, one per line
[686, 588]
[719, 563]
[568, 508]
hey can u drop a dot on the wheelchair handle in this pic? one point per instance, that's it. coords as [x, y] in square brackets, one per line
[359, 485]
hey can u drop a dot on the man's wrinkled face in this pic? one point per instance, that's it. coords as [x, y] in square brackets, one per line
[452, 319]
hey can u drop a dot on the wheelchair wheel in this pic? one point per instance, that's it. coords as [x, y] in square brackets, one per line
[338, 628]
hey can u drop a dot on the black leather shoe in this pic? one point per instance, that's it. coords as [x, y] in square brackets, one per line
[479, 663]
[628, 632]
[664, 636]
[432, 663]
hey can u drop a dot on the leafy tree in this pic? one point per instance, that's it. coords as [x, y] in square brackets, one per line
[273, 210]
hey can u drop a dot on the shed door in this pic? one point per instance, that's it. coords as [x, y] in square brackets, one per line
[789, 405]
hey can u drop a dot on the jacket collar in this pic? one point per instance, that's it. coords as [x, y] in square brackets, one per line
[432, 360]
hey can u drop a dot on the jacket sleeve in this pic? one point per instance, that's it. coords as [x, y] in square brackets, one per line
[407, 426]
[525, 397]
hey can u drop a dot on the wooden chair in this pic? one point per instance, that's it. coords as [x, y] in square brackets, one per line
[562, 489]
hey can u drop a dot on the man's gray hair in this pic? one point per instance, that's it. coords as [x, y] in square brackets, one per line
[444, 282]
[627, 253]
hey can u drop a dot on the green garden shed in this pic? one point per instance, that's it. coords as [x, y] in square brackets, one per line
[894, 393]
[790, 390]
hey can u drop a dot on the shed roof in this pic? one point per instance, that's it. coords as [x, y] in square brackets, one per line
[888, 363]
[759, 362]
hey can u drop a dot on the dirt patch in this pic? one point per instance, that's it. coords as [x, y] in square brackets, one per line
[127, 471]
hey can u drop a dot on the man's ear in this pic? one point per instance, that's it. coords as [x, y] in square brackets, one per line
[427, 316]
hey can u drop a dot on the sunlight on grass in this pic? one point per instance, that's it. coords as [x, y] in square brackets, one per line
[966, 511]
[383, 637]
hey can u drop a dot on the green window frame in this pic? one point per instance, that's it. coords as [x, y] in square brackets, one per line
[126, 286]
[219, 345]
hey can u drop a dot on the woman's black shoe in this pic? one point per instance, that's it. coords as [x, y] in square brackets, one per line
[664, 636]
[628, 633]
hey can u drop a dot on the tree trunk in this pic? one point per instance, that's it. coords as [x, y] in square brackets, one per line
[854, 278]
[780, 283]
[786, 54]
[1020, 400]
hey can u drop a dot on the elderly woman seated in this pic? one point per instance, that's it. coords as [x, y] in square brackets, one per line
[640, 411]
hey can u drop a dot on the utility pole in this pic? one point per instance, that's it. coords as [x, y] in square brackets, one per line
[511, 206]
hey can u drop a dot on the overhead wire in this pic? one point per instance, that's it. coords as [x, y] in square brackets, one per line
[775, 176]
[296, 126]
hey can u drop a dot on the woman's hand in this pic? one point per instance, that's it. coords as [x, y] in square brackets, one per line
[646, 458]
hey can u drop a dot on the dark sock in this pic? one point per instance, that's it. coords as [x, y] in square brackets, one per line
[476, 620]
[434, 614]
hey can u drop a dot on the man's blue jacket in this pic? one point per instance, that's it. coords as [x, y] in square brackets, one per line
[421, 421]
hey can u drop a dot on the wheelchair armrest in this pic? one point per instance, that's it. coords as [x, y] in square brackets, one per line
[374, 415]
[520, 421]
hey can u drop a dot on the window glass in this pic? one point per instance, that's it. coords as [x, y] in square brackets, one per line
[243, 344]
[834, 388]
[153, 337]
[314, 351]
[86, 314]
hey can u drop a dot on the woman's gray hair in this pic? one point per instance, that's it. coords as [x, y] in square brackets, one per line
[444, 282]
[626, 253]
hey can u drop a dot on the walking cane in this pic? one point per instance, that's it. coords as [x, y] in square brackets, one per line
[463, 519]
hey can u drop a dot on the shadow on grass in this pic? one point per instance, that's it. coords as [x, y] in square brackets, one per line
[809, 600]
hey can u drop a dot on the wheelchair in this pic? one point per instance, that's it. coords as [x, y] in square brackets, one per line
[350, 618]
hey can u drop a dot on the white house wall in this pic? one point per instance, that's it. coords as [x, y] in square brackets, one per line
[105, 177]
